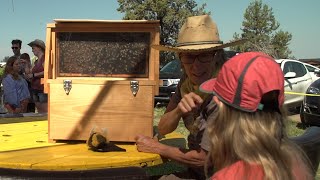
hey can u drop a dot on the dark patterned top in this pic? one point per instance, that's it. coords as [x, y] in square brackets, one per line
[195, 121]
[36, 81]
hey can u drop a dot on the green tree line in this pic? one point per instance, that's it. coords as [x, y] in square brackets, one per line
[259, 26]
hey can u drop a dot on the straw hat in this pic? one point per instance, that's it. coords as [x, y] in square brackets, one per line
[198, 33]
[38, 43]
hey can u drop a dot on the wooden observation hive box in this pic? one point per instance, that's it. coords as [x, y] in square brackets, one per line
[101, 73]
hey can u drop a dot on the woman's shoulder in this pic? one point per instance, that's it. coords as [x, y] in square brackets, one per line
[8, 77]
[8, 80]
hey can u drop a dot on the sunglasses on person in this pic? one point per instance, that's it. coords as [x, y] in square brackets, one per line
[14, 47]
[190, 58]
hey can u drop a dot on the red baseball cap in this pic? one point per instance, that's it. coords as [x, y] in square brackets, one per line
[244, 79]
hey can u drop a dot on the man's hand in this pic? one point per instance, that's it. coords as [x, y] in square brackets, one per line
[189, 102]
[170, 120]
[147, 144]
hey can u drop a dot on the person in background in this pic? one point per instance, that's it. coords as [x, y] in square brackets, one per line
[16, 93]
[39, 97]
[201, 53]
[26, 68]
[248, 135]
[26, 63]
[16, 47]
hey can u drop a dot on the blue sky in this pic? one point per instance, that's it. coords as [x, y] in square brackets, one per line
[27, 19]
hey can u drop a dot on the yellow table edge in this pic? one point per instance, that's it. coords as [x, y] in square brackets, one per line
[25, 146]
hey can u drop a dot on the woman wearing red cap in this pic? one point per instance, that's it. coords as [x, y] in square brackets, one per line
[248, 135]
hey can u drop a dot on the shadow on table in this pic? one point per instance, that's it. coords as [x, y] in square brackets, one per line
[168, 167]
[175, 139]
[20, 119]
[176, 142]
[108, 173]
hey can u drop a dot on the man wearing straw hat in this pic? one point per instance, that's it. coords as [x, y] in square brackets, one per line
[201, 53]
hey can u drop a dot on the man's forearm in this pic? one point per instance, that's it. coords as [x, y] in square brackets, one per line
[169, 122]
[188, 157]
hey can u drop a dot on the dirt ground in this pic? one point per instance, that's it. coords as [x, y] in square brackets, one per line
[295, 117]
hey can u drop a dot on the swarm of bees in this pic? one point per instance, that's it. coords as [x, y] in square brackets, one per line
[104, 54]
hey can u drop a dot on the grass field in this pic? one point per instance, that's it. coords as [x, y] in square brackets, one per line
[172, 167]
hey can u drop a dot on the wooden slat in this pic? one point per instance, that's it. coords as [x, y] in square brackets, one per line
[105, 21]
[93, 28]
[156, 59]
[47, 62]
[110, 106]
[101, 81]
[124, 26]
[53, 56]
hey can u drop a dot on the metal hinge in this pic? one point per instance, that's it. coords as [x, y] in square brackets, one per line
[134, 86]
[67, 85]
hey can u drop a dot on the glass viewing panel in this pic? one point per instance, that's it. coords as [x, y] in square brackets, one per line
[106, 54]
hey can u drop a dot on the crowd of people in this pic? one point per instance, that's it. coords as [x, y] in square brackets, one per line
[21, 81]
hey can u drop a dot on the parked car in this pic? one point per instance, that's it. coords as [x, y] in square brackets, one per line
[169, 77]
[314, 71]
[310, 111]
[297, 79]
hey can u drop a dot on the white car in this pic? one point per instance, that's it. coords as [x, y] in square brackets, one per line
[313, 70]
[298, 77]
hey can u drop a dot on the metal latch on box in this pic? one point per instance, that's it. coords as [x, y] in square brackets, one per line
[67, 85]
[134, 86]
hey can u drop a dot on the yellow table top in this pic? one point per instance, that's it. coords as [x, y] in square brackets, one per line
[24, 145]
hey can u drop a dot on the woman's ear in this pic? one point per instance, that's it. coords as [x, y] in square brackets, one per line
[216, 100]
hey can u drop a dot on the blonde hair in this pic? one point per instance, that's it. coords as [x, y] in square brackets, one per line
[255, 138]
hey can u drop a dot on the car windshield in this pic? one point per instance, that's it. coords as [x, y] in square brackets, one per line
[173, 66]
